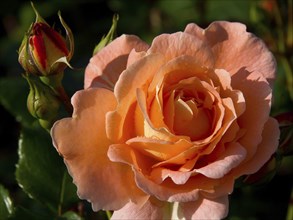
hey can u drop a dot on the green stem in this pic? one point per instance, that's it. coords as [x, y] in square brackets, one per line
[280, 32]
[290, 207]
[109, 214]
[65, 99]
[288, 73]
[290, 25]
[61, 198]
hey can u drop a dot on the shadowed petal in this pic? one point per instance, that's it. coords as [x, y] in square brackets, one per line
[153, 209]
[231, 42]
[266, 148]
[204, 208]
[82, 141]
[134, 77]
[106, 66]
[231, 158]
[258, 96]
[178, 44]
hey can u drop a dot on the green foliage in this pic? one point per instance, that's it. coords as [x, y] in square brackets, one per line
[13, 95]
[41, 172]
[6, 207]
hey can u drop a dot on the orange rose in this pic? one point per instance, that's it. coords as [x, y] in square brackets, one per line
[163, 131]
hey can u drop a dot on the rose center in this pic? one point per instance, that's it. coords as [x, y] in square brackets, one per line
[191, 119]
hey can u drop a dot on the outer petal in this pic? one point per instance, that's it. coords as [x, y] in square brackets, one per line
[230, 159]
[107, 65]
[153, 209]
[82, 141]
[178, 44]
[204, 208]
[266, 148]
[258, 95]
[230, 42]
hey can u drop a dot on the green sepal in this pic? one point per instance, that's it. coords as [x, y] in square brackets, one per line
[109, 37]
[69, 38]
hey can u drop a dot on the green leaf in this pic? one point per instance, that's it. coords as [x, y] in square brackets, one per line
[23, 213]
[71, 216]
[41, 172]
[13, 96]
[6, 207]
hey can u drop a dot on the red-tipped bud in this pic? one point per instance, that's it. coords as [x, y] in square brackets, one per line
[44, 51]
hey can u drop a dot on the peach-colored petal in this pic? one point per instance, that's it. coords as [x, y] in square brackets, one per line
[156, 109]
[230, 42]
[150, 131]
[82, 141]
[269, 144]
[178, 44]
[138, 74]
[153, 209]
[179, 68]
[158, 149]
[258, 95]
[235, 95]
[231, 158]
[106, 66]
[166, 191]
[205, 208]
[135, 56]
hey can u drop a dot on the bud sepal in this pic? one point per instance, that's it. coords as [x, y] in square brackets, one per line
[42, 103]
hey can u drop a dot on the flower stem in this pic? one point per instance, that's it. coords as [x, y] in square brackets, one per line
[109, 214]
[290, 207]
[61, 199]
[64, 98]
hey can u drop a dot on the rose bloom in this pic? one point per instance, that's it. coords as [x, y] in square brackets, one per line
[162, 131]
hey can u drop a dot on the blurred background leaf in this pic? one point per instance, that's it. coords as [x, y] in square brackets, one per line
[6, 207]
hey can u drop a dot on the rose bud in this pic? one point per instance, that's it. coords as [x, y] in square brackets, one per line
[42, 103]
[44, 51]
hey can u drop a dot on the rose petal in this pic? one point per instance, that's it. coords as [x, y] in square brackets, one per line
[107, 65]
[164, 189]
[230, 41]
[231, 158]
[134, 77]
[135, 56]
[153, 209]
[158, 149]
[82, 141]
[178, 44]
[258, 95]
[265, 149]
[204, 208]
[150, 131]
[235, 95]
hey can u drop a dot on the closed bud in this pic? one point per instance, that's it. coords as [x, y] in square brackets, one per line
[42, 103]
[44, 51]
